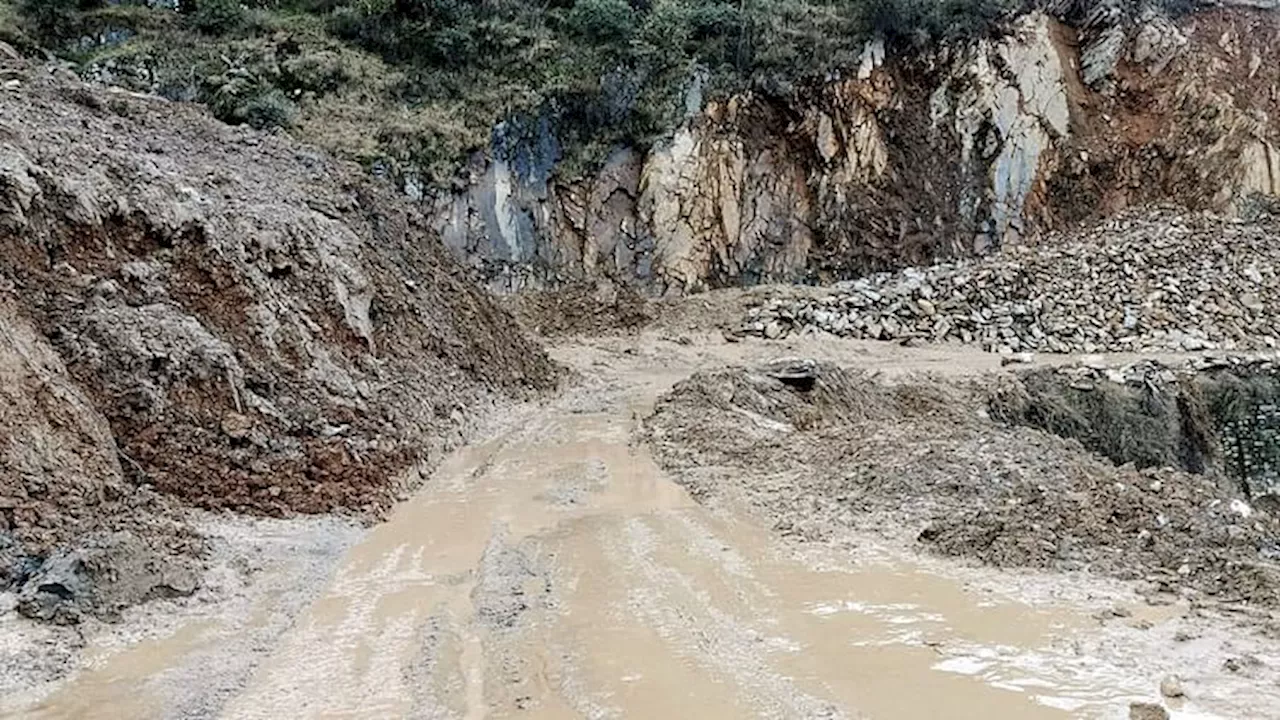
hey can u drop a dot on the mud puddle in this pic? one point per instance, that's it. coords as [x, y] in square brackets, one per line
[183, 659]
[553, 571]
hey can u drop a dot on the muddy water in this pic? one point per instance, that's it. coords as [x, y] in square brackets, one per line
[555, 572]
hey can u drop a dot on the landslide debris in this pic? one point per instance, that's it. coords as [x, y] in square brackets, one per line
[214, 315]
[923, 456]
[1216, 414]
[583, 308]
[76, 537]
[1158, 280]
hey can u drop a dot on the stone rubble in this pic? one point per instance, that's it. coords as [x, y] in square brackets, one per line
[1093, 369]
[1171, 687]
[1161, 280]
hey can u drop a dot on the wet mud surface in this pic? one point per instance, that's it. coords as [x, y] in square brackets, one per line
[554, 571]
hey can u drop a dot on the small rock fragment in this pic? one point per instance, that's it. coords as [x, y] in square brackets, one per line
[1022, 358]
[1171, 687]
[1242, 663]
[1147, 711]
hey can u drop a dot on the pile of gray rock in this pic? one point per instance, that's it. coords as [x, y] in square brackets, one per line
[1161, 280]
[1094, 369]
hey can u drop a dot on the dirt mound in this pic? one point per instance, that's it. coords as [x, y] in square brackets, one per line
[921, 456]
[219, 314]
[61, 481]
[585, 308]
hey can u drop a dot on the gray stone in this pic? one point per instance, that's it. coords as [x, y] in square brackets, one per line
[100, 575]
[1147, 711]
[1171, 687]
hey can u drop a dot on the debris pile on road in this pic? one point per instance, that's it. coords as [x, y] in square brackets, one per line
[1155, 281]
[924, 457]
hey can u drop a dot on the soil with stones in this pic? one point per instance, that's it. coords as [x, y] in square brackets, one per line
[585, 308]
[1159, 279]
[212, 315]
[814, 449]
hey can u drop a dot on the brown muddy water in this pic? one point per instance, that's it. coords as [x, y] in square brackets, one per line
[553, 571]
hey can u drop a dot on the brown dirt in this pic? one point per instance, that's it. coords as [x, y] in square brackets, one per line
[61, 480]
[920, 456]
[582, 308]
[1167, 136]
[221, 315]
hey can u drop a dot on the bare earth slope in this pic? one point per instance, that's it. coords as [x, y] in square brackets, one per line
[221, 315]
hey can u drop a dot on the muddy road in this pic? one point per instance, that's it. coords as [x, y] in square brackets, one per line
[553, 571]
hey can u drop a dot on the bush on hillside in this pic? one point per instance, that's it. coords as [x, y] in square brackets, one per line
[268, 111]
[216, 17]
[603, 21]
[608, 72]
[918, 22]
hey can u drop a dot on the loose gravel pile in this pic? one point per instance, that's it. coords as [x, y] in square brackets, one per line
[1156, 281]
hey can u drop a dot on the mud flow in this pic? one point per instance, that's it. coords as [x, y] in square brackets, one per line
[555, 572]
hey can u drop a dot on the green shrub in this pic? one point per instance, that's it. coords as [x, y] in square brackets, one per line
[603, 21]
[216, 17]
[918, 22]
[269, 110]
[11, 27]
[56, 19]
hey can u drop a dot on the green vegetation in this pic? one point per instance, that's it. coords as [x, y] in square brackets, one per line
[413, 86]
[12, 27]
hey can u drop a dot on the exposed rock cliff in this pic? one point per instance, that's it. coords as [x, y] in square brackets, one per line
[1075, 114]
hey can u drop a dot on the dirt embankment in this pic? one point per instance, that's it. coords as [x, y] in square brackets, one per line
[922, 456]
[216, 315]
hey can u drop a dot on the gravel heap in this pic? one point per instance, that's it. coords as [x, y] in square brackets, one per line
[1094, 369]
[1156, 281]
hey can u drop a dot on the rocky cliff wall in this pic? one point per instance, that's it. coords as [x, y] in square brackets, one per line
[1076, 113]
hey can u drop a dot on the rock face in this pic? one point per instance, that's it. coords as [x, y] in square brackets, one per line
[1071, 116]
[1161, 280]
[216, 315]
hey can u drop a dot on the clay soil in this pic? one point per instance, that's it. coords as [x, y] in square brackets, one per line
[193, 314]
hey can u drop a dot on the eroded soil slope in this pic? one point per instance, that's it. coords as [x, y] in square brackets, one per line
[221, 315]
